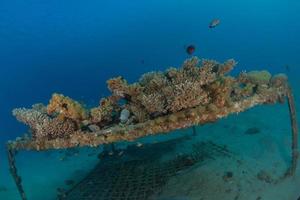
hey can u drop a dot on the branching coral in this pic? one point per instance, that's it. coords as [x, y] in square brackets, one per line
[159, 93]
[140, 114]
[104, 112]
[220, 91]
[226, 67]
[44, 127]
[153, 103]
[185, 95]
[119, 87]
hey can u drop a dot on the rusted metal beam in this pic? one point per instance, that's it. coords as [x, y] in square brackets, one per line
[13, 170]
[164, 124]
[292, 110]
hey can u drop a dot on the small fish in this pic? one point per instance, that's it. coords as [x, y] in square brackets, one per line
[111, 153]
[120, 153]
[214, 23]
[190, 49]
[139, 144]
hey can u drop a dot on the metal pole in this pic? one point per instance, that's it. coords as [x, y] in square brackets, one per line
[292, 109]
[13, 170]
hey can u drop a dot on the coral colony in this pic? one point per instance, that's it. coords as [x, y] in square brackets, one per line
[196, 93]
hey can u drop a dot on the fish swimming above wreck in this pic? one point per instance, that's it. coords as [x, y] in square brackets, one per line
[199, 92]
[190, 49]
[214, 23]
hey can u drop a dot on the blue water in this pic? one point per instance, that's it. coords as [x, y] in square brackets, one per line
[73, 47]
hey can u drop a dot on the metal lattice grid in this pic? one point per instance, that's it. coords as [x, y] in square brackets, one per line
[139, 179]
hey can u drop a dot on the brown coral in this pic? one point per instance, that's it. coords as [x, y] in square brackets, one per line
[220, 91]
[104, 112]
[42, 126]
[119, 87]
[279, 80]
[185, 95]
[153, 102]
[153, 82]
[140, 114]
[226, 67]
[159, 93]
[65, 107]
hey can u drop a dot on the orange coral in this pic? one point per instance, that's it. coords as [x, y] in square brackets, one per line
[66, 107]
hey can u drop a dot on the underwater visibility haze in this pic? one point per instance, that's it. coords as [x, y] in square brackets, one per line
[149, 100]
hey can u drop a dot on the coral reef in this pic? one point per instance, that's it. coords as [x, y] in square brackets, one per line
[196, 93]
[160, 93]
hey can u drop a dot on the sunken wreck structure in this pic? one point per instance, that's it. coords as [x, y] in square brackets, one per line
[199, 92]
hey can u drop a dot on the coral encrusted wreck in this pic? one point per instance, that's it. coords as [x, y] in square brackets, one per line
[196, 93]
